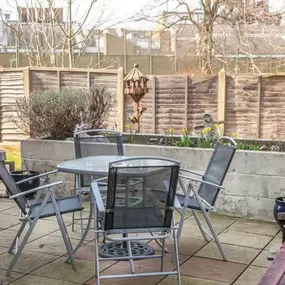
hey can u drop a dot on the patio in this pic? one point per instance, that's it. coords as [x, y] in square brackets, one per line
[246, 243]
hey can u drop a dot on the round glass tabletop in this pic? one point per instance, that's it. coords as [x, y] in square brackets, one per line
[99, 165]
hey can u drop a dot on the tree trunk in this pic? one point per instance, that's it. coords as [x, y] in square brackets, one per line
[206, 38]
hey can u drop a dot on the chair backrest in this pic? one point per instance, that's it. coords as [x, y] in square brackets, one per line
[10, 184]
[131, 205]
[88, 143]
[217, 169]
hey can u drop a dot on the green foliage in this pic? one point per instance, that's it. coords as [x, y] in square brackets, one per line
[55, 114]
[247, 146]
[185, 140]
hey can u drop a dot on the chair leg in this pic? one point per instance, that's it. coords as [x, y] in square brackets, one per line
[63, 232]
[176, 257]
[97, 266]
[18, 235]
[200, 225]
[85, 232]
[214, 234]
[162, 255]
[21, 247]
[26, 237]
[132, 267]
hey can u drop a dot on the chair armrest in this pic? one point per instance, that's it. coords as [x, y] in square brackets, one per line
[202, 181]
[97, 196]
[36, 189]
[36, 176]
[190, 171]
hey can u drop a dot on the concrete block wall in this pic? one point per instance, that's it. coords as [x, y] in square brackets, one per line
[254, 179]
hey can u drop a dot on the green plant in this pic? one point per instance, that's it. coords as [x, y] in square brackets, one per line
[132, 135]
[55, 114]
[247, 146]
[185, 140]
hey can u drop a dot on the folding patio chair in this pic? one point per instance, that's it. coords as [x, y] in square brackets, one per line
[130, 218]
[86, 143]
[204, 197]
[33, 211]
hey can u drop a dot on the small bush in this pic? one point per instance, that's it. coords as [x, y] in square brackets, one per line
[55, 114]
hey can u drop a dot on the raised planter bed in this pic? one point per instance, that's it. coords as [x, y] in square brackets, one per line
[254, 180]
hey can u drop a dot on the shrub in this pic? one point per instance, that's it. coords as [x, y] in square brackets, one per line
[55, 114]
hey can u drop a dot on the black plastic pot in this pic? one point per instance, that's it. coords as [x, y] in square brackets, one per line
[19, 175]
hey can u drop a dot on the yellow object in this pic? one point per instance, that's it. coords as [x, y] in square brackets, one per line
[206, 130]
[128, 126]
[234, 135]
[171, 131]
[184, 131]
[216, 126]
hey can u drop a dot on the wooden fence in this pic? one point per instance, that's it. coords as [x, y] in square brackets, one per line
[18, 82]
[252, 106]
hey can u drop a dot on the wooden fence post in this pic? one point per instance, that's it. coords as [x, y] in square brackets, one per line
[222, 90]
[120, 100]
[27, 81]
[186, 103]
[58, 80]
[258, 107]
[153, 104]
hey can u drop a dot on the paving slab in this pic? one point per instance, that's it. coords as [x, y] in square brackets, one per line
[125, 269]
[154, 263]
[218, 221]
[186, 280]
[42, 228]
[212, 269]
[244, 239]
[275, 243]
[255, 227]
[262, 260]
[6, 238]
[14, 211]
[251, 276]
[58, 269]
[234, 253]
[7, 221]
[36, 280]
[4, 279]
[50, 244]
[193, 231]
[187, 245]
[76, 234]
[27, 262]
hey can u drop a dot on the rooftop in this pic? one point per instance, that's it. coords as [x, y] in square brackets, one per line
[246, 243]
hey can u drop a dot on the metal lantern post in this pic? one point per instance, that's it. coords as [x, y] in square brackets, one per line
[136, 87]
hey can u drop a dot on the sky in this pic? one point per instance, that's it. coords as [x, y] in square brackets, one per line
[119, 13]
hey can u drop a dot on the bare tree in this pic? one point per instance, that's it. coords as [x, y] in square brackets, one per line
[234, 14]
[45, 37]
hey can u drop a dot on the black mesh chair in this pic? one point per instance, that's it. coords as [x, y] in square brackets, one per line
[34, 210]
[89, 143]
[140, 213]
[204, 197]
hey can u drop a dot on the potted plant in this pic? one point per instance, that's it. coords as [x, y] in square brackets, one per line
[19, 175]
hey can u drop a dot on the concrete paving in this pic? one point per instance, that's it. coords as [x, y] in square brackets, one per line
[245, 242]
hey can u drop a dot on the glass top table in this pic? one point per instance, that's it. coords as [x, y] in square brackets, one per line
[99, 165]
